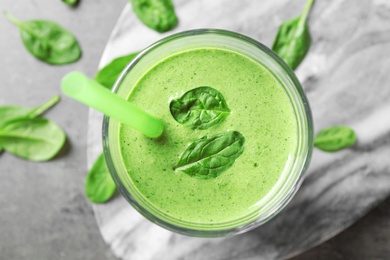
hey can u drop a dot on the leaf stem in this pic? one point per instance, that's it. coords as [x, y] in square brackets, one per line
[43, 108]
[306, 11]
[12, 19]
[21, 25]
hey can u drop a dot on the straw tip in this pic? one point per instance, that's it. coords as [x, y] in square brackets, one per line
[158, 129]
[72, 83]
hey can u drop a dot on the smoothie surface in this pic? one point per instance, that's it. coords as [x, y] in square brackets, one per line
[260, 110]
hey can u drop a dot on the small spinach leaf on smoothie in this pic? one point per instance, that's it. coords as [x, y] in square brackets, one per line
[200, 108]
[335, 138]
[293, 39]
[99, 186]
[36, 139]
[208, 157]
[71, 2]
[158, 15]
[109, 74]
[48, 41]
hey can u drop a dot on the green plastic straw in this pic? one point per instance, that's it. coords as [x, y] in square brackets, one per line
[89, 92]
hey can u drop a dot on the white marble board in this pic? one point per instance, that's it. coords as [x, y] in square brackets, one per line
[346, 76]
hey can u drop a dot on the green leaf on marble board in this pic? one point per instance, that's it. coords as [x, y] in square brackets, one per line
[158, 15]
[293, 39]
[335, 138]
[99, 185]
[110, 73]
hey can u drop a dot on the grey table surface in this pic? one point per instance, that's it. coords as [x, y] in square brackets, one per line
[43, 212]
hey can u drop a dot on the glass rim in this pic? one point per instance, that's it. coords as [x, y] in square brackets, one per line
[292, 188]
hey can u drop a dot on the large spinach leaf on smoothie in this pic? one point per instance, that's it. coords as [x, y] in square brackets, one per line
[99, 186]
[335, 138]
[158, 15]
[200, 108]
[293, 39]
[209, 156]
[109, 73]
[48, 41]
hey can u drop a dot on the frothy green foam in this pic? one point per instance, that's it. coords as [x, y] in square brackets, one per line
[260, 110]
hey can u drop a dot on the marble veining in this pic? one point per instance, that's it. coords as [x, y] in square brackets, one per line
[347, 81]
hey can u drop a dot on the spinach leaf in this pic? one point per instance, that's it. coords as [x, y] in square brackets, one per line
[99, 186]
[109, 74]
[36, 139]
[208, 157]
[158, 15]
[71, 2]
[10, 113]
[200, 108]
[293, 39]
[39, 110]
[335, 138]
[48, 41]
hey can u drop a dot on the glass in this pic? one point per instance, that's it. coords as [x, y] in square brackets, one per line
[280, 194]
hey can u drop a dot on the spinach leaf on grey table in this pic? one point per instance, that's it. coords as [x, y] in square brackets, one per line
[71, 2]
[36, 139]
[25, 134]
[48, 41]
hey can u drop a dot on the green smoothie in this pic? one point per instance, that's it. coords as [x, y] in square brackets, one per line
[260, 110]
